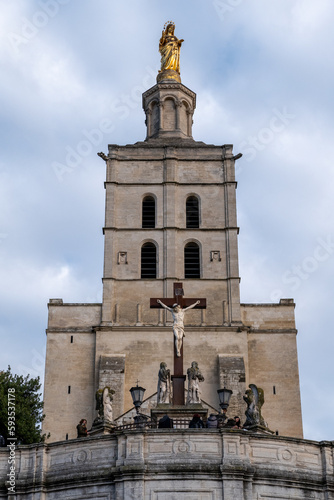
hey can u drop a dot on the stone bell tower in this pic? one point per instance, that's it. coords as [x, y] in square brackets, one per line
[188, 189]
[170, 218]
[177, 197]
[169, 107]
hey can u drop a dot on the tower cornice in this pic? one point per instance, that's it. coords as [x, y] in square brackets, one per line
[169, 86]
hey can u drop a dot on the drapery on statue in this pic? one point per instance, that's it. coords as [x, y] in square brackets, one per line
[255, 399]
[163, 384]
[169, 48]
[104, 403]
[178, 325]
[194, 378]
[107, 405]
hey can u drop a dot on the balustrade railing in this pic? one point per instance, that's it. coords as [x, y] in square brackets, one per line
[179, 423]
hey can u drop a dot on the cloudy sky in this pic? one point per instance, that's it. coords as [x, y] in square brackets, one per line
[72, 76]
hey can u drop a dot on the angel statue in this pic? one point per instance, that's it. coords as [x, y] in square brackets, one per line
[255, 399]
[169, 48]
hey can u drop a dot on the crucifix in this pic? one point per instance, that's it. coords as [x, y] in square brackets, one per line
[177, 306]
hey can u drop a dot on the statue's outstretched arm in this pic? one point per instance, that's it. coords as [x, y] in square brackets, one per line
[164, 306]
[192, 305]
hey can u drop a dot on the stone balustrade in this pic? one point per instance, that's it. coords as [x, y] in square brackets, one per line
[165, 464]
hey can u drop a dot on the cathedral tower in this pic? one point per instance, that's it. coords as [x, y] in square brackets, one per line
[170, 218]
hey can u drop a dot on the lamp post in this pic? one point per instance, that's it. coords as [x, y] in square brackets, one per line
[224, 397]
[137, 394]
[224, 401]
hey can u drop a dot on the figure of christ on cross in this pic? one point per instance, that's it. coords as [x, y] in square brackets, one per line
[178, 325]
[177, 306]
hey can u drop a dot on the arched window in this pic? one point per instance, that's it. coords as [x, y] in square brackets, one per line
[192, 212]
[148, 261]
[191, 261]
[148, 212]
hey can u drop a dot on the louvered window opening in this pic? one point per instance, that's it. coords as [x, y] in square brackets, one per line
[148, 212]
[148, 261]
[191, 261]
[192, 212]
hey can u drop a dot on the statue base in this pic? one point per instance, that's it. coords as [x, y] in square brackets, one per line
[168, 74]
[101, 426]
[180, 414]
[140, 418]
[259, 429]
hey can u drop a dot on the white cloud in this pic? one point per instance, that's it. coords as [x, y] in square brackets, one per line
[57, 77]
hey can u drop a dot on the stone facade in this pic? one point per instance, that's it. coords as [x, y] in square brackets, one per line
[170, 175]
[90, 346]
[235, 356]
[163, 464]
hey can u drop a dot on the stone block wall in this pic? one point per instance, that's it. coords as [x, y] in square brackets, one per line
[111, 374]
[164, 464]
[69, 385]
[170, 174]
[273, 362]
[117, 356]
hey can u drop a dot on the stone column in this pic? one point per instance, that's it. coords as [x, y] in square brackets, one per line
[160, 107]
[148, 121]
[178, 105]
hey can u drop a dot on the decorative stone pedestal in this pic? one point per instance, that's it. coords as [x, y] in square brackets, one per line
[102, 427]
[178, 413]
[141, 419]
[259, 429]
[168, 74]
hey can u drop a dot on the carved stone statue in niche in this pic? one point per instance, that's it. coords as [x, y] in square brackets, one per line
[163, 384]
[194, 378]
[104, 404]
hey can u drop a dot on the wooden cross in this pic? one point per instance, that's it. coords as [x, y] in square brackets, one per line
[178, 299]
[178, 377]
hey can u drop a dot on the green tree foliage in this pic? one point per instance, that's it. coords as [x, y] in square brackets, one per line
[28, 407]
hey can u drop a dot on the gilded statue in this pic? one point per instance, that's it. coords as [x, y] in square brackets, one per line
[169, 48]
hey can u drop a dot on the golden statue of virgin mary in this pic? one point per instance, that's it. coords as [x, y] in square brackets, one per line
[169, 48]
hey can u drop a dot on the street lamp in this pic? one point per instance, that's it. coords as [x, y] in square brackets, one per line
[224, 397]
[137, 394]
